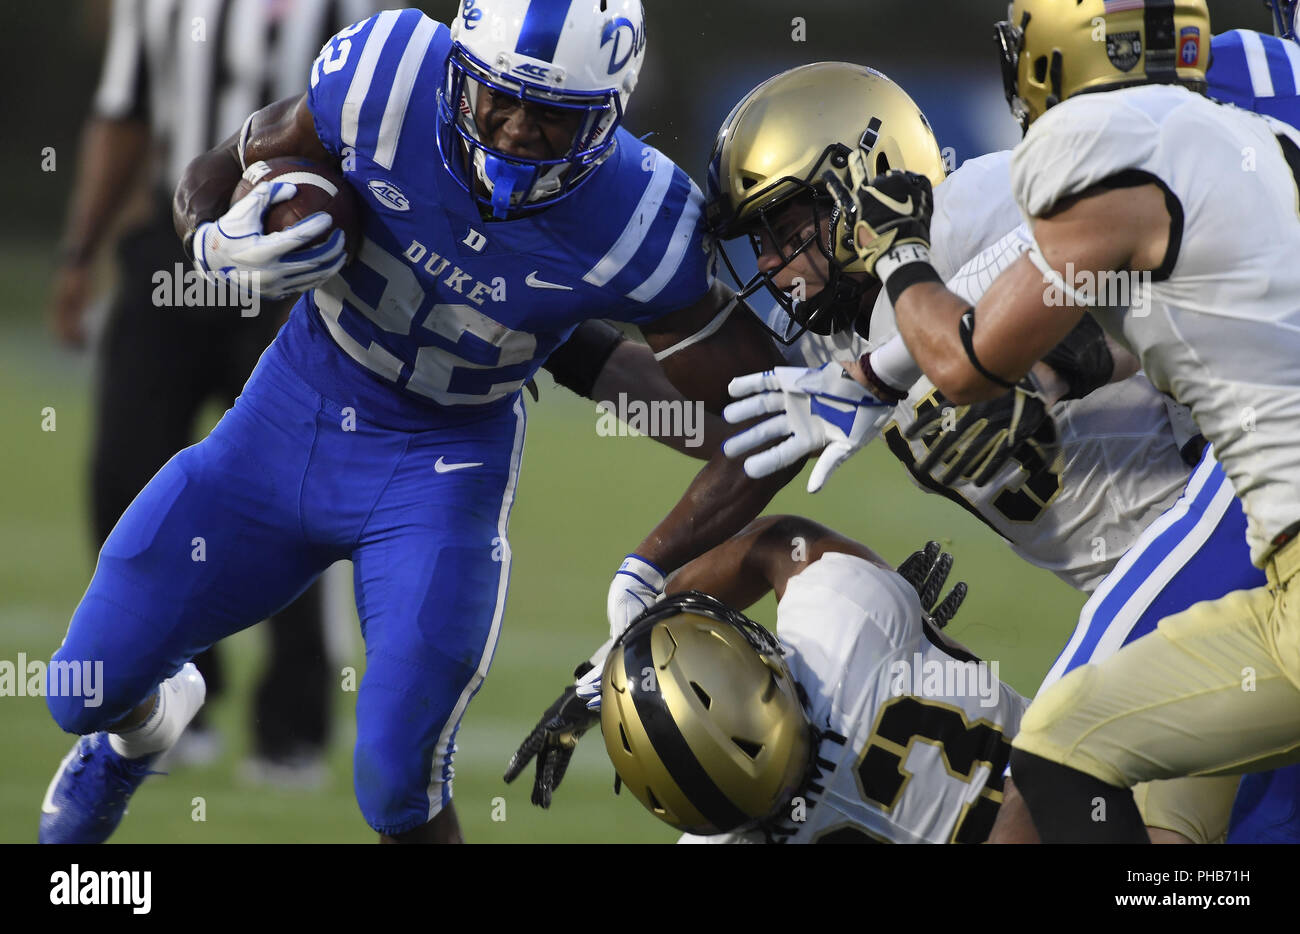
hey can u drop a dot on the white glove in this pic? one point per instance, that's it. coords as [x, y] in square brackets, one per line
[235, 244]
[588, 685]
[819, 409]
[636, 587]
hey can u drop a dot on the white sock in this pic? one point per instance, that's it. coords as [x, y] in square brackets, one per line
[179, 699]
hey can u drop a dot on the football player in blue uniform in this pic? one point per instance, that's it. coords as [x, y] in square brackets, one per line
[1259, 72]
[503, 204]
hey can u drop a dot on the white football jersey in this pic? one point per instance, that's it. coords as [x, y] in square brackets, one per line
[1122, 465]
[916, 735]
[1219, 329]
[973, 210]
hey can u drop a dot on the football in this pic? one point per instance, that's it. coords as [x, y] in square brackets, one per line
[320, 188]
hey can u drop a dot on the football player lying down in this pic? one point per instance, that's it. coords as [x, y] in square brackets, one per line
[859, 721]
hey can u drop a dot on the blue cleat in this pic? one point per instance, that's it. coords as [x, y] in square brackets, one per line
[87, 797]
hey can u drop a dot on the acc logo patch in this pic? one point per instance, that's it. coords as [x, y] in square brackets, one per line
[1189, 45]
[1124, 49]
[389, 195]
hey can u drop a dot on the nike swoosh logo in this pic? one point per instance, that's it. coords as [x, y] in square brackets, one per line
[443, 467]
[533, 282]
[47, 803]
[902, 207]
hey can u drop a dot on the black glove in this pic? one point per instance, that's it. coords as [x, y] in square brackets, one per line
[880, 213]
[1082, 359]
[985, 435]
[927, 571]
[552, 741]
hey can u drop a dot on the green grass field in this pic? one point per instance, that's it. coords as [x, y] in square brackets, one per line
[583, 502]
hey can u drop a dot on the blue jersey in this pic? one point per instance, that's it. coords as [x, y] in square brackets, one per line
[1256, 72]
[442, 308]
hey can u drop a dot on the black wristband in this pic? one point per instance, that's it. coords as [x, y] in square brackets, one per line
[907, 276]
[966, 327]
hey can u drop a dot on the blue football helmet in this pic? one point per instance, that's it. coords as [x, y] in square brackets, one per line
[575, 56]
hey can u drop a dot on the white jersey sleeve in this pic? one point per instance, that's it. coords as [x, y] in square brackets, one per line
[1218, 325]
[1122, 464]
[973, 210]
[1101, 140]
[915, 734]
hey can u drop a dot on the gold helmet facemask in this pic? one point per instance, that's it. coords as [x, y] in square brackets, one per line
[1054, 49]
[772, 151]
[702, 719]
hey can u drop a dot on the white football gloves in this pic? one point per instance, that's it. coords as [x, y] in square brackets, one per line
[276, 263]
[819, 409]
[587, 685]
[637, 586]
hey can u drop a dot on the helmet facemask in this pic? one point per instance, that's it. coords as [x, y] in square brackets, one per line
[1284, 17]
[836, 307]
[517, 184]
[1011, 41]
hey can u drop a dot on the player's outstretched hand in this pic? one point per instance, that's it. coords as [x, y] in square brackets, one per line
[552, 743]
[813, 410]
[927, 572]
[972, 443]
[278, 264]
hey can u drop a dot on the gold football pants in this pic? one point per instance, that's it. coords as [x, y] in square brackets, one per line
[1214, 690]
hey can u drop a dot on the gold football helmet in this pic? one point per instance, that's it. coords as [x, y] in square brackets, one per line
[702, 718]
[775, 146]
[1053, 49]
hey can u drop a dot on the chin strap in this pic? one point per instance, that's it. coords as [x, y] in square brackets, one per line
[838, 309]
[506, 178]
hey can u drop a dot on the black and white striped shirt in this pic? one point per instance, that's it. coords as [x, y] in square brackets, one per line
[195, 69]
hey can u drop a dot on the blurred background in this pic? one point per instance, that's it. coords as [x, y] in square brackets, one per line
[584, 501]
